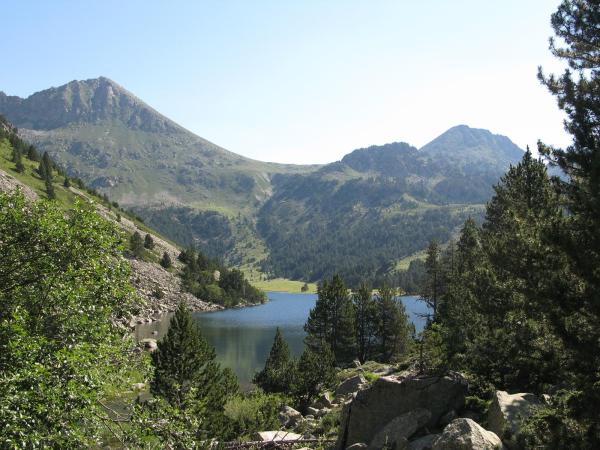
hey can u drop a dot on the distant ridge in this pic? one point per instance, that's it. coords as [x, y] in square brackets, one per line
[357, 216]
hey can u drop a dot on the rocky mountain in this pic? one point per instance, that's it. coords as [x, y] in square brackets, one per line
[358, 216]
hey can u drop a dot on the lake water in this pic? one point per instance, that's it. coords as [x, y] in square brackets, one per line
[243, 337]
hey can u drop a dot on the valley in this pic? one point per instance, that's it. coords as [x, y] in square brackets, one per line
[299, 222]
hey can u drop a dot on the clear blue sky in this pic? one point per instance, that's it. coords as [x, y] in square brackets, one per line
[300, 81]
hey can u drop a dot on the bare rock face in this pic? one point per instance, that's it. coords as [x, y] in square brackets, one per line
[466, 434]
[396, 433]
[507, 412]
[390, 397]
[8, 183]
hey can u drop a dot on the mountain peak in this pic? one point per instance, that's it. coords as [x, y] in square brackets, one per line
[83, 101]
[473, 148]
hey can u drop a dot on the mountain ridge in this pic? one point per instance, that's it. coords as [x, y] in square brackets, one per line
[246, 211]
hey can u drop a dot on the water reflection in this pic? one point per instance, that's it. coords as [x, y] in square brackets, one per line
[243, 337]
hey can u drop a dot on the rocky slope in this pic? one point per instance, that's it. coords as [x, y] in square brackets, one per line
[159, 289]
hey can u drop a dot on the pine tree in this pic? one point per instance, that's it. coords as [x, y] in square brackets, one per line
[50, 189]
[67, 183]
[315, 372]
[136, 244]
[395, 330]
[186, 373]
[166, 261]
[366, 322]
[148, 242]
[18, 160]
[45, 167]
[331, 321]
[432, 289]
[32, 154]
[278, 373]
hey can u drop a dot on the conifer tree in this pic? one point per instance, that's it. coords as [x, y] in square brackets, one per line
[186, 373]
[148, 242]
[366, 322]
[315, 372]
[50, 189]
[331, 321]
[136, 244]
[67, 182]
[277, 375]
[32, 154]
[432, 289]
[166, 261]
[395, 330]
[18, 160]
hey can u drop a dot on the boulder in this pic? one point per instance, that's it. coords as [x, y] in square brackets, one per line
[278, 435]
[312, 411]
[324, 401]
[288, 416]
[465, 434]
[149, 344]
[390, 397]
[397, 431]
[423, 443]
[508, 411]
[350, 385]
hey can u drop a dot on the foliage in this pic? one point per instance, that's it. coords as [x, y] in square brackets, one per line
[165, 261]
[148, 242]
[136, 244]
[278, 373]
[253, 412]
[315, 373]
[187, 376]
[330, 324]
[207, 279]
[62, 279]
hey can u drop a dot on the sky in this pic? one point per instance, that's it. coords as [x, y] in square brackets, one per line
[301, 81]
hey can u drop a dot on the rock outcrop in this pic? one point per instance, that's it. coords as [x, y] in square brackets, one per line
[390, 397]
[8, 183]
[396, 433]
[507, 412]
[350, 385]
[466, 434]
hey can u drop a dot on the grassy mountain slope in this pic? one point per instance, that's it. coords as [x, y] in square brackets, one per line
[360, 215]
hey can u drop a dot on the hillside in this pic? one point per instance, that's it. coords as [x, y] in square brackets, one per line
[159, 289]
[358, 216]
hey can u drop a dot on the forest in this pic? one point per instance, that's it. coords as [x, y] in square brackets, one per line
[515, 306]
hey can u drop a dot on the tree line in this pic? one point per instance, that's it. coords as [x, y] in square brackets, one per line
[517, 300]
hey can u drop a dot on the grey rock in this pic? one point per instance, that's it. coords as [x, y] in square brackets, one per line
[423, 443]
[352, 384]
[312, 411]
[396, 432]
[465, 434]
[324, 401]
[507, 412]
[278, 435]
[390, 397]
[357, 446]
[288, 416]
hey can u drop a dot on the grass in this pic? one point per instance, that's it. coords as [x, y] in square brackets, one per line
[284, 285]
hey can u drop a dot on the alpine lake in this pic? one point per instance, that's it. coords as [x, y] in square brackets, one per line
[242, 337]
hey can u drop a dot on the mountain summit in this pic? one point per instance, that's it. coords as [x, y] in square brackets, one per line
[88, 101]
[376, 206]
